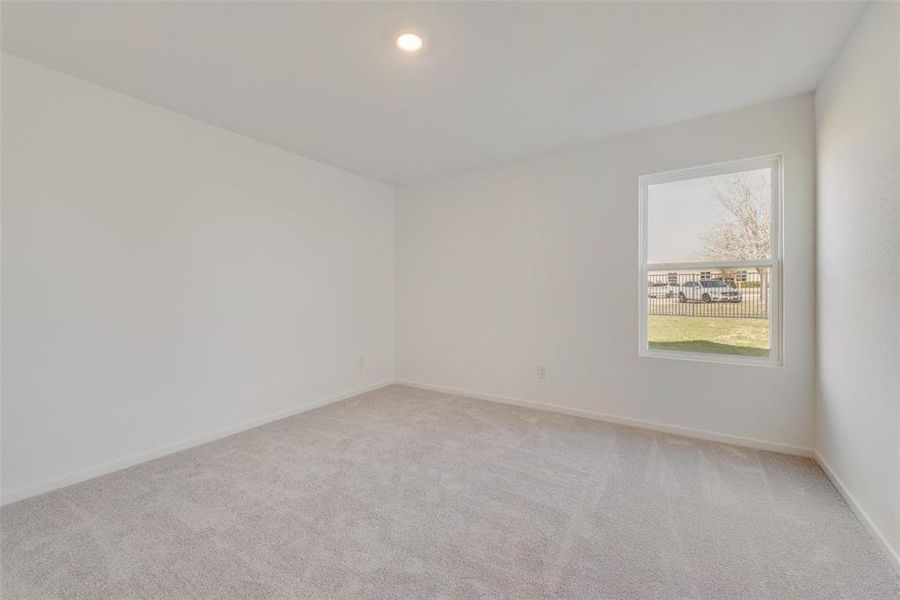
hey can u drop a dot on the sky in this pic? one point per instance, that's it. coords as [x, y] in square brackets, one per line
[679, 212]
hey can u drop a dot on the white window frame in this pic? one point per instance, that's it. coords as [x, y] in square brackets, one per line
[774, 162]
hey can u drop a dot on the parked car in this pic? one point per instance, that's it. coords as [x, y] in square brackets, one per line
[709, 290]
[662, 290]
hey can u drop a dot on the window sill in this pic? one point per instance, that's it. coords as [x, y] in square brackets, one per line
[749, 361]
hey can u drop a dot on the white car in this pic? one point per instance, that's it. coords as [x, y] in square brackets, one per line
[709, 290]
[662, 290]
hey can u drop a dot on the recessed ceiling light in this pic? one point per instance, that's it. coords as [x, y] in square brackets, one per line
[409, 42]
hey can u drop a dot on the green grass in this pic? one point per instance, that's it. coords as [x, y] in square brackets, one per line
[715, 335]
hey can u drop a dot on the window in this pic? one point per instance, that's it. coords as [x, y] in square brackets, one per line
[710, 262]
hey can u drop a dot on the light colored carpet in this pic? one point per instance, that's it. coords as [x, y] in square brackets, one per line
[402, 493]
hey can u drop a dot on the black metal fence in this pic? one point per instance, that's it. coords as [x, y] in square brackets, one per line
[713, 293]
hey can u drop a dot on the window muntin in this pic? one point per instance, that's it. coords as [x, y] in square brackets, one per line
[712, 235]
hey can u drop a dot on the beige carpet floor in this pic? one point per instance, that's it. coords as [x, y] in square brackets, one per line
[402, 493]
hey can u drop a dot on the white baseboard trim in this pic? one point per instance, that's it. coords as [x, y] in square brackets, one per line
[135, 459]
[891, 552]
[653, 426]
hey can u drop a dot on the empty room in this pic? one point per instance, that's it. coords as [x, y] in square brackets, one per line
[478, 300]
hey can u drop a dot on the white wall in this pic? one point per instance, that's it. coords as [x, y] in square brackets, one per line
[535, 263]
[165, 279]
[858, 277]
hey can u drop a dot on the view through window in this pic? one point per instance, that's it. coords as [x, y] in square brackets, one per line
[709, 261]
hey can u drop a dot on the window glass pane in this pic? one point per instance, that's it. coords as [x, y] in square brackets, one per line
[723, 217]
[718, 311]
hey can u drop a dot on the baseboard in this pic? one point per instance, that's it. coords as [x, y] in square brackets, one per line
[891, 552]
[135, 459]
[661, 427]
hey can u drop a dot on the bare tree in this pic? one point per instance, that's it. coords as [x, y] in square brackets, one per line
[744, 233]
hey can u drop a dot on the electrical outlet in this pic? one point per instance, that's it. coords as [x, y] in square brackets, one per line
[361, 362]
[542, 372]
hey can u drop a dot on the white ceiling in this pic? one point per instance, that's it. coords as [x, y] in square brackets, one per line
[495, 81]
